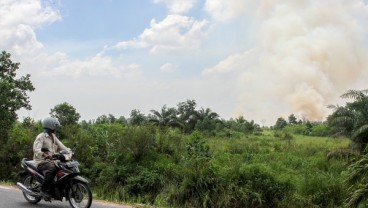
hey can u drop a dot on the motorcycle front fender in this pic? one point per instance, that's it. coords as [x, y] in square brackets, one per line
[80, 179]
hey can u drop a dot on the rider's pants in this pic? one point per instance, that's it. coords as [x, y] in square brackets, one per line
[49, 170]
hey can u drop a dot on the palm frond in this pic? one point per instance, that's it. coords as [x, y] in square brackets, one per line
[364, 91]
[358, 170]
[342, 153]
[342, 120]
[333, 107]
[361, 130]
[356, 197]
[354, 94]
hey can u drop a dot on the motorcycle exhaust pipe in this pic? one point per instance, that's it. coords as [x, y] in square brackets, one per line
[26, 190]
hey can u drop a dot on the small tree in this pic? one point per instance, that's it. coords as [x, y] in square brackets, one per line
[280, 123]
[106, 119]
[137, 118]
[187, 115]
[65, 113]
[292, 119]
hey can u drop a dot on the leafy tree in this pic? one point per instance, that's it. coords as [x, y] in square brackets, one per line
[13, 94]
[106, 119]
[121, 120]
[280, 123]
[137, 118]
[240, 124]
[112, 118]
[187, 115]
[292, 119]
[65, 113]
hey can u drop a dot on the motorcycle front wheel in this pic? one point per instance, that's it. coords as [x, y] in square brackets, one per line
[34, 185]
[80, 195]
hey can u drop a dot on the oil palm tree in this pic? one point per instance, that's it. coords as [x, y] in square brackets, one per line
[352, 120]
[167, 117]
[206, 119]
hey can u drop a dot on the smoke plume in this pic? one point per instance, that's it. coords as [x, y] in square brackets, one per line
[306, 54]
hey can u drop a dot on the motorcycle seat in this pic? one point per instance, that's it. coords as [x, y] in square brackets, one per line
[32, 164]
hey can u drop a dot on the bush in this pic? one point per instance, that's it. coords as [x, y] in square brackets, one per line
[251, 186]
[320, 130]
[296, 129]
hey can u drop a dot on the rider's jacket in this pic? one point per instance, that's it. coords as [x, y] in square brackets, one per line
[43, 140]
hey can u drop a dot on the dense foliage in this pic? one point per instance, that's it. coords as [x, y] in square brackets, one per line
[169, 168]
[13, 96]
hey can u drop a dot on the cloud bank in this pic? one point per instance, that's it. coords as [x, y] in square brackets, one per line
[174, 33]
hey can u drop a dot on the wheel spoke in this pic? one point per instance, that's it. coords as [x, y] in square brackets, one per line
[80, 196]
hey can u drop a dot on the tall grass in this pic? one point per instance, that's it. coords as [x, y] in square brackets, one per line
[167, 168]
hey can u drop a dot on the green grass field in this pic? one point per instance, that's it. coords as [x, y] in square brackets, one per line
[299, 160]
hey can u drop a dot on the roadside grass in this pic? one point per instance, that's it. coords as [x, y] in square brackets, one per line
[7, 183]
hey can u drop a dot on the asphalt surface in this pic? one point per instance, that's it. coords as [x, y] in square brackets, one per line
[12, 197]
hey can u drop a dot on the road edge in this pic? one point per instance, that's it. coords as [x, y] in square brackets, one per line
[8, 186]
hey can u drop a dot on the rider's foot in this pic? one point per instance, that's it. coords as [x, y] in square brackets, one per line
[46, 196]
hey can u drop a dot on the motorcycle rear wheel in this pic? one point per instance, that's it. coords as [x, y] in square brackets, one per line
[80, 195]
[33, 185]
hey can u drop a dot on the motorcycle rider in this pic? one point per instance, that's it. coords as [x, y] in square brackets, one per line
[45, 145]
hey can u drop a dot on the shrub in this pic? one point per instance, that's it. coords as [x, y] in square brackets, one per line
[320, 130]
[255, 186]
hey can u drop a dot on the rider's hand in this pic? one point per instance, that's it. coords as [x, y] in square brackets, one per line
[47, 155]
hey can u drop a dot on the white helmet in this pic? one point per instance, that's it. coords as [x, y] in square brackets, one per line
[50, 123]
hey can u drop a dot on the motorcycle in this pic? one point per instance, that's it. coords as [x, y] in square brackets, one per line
[67, 182]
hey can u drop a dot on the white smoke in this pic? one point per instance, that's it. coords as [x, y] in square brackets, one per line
[306, 53]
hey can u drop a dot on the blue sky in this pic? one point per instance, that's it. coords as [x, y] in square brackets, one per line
[259, 59]
[102, 20]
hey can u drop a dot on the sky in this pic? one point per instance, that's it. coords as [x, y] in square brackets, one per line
[258, 59]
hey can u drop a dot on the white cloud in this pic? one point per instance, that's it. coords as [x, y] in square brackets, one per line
[223, 10]
[98, 65]
[177, 6]
[18, 20]
[168, 68]
[230, 64]
[174, 33]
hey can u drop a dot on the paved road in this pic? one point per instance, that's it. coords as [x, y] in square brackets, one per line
[11, 197]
